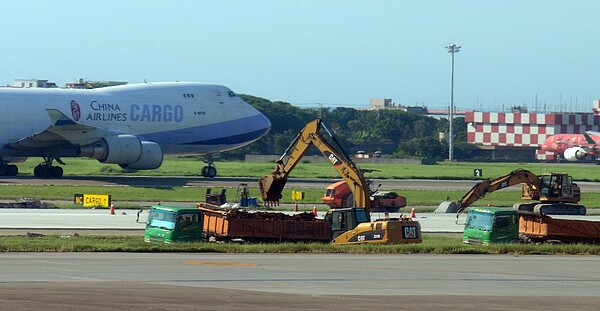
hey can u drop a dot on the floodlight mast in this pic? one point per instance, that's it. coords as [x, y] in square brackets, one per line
[452, 48]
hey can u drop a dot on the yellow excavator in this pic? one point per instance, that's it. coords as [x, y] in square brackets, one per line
[554, 193]
[348, 225]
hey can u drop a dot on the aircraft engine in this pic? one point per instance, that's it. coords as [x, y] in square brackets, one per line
[151, 157]
[575, 154]
[117, 149]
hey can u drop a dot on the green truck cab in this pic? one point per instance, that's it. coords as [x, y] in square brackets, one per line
[173, 224]
[486, 225]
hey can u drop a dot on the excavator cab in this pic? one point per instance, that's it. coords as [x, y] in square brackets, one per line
[354, 226]
[344, 219]
[556, 187]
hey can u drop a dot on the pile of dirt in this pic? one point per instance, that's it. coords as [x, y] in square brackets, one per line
[243, 214]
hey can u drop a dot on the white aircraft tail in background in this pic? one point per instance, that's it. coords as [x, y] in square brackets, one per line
[129, 125]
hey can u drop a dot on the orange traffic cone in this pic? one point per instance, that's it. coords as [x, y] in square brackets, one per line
[412, 212]
[315, 210]
[112, 209]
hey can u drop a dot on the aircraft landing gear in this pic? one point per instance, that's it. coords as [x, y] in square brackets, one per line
[8, 170]
[46, 170]
[209, 170]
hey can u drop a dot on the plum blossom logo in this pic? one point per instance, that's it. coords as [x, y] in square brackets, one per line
[75, 110]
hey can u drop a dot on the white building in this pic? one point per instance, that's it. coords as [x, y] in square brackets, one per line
[33, 83]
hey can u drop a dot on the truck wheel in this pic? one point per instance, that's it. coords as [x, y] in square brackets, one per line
[211, 238]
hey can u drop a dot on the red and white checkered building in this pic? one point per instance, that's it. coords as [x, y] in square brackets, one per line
[508, 131]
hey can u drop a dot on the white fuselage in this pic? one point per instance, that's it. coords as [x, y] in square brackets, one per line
[180, 117]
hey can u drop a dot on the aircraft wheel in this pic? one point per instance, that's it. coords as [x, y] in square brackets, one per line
[211, 171]
[56, 171]
[39, 171]
[203, 171]
[11, 170]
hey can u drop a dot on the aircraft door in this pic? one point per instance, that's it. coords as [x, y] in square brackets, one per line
[220, 99]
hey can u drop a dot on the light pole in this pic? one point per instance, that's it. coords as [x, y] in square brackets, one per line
[452, 48]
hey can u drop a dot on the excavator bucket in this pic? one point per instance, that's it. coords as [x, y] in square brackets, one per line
[446, 207]
[270, 188]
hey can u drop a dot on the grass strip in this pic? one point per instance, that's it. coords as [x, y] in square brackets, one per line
[432, 244]
[190, 166]
[123, 196]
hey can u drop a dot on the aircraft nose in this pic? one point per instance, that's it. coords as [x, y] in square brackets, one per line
[264, 123]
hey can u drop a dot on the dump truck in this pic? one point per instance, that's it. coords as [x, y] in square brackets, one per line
[226, 225]
[485, 225]
[169, 224]
[208, 222]
[352, 224]
[551, 193]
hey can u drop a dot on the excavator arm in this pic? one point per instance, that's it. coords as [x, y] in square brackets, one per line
[519, 176]
[272, 185]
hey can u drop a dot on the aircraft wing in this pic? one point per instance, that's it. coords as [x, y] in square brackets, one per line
[63, 131]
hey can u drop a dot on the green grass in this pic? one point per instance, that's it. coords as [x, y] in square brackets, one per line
[124, 197]
[190, 166]
[432, 244]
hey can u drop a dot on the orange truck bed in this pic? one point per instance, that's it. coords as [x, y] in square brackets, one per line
[544, 227]
[217, 224]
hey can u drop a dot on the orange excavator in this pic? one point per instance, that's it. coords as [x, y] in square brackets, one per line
[339, 194]
[349, 225]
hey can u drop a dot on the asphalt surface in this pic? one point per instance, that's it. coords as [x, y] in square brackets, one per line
[126, 281]
[20, 221]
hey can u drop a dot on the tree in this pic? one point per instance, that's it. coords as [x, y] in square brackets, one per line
[423, 148]
[394, 131]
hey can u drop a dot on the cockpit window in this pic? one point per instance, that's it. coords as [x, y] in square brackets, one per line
[231, 94]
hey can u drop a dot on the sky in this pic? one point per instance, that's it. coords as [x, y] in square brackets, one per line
[543, 55]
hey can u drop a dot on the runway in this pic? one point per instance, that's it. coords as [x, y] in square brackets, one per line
[100, 281]
[151, 281]
[127, 221]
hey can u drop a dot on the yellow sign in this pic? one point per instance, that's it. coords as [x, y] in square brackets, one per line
[297, 195]
[92, 200]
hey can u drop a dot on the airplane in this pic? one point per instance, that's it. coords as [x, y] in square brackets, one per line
[574, 147]
[131, 125]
